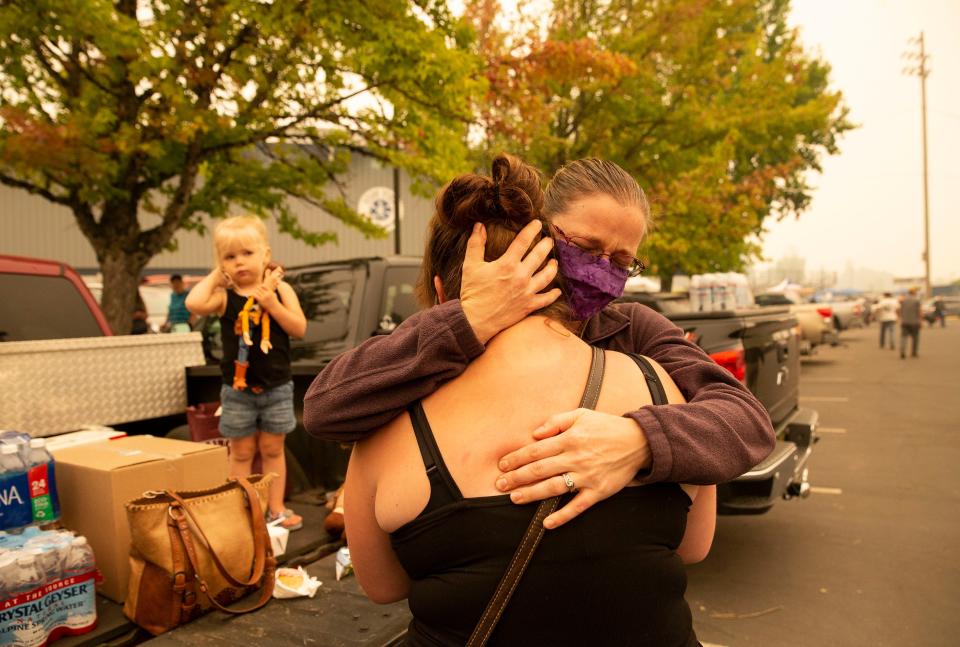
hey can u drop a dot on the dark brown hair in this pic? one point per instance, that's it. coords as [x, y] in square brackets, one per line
[505, 202]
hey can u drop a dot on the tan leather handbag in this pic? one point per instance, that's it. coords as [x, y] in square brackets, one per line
[192, 551]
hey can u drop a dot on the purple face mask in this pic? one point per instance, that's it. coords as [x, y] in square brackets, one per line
[591, 282]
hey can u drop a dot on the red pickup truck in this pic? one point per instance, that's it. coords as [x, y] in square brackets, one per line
[41, 299]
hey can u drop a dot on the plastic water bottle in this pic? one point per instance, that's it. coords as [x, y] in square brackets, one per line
[15, 506]
[10, 458]
[27, 575]
[47, 558]
[729, 291]
[696, 302]
[43, 483]
[709, 292]
[8, 563]
[79, 559]
[38, 452]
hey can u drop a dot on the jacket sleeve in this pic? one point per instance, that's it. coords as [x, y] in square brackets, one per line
[366, 387]
[722, 430]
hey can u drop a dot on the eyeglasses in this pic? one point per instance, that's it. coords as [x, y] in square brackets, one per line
[633, 265]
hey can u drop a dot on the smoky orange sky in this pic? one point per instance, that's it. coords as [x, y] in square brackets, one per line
[867, 209]
[868, 206]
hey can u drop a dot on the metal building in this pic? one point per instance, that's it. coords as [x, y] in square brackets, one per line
[32, 226]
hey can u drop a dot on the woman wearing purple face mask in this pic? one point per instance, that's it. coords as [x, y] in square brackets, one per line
[597, 208]
[424, 518]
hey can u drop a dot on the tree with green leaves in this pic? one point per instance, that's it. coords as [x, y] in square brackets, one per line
[143, 117]
[715, 107]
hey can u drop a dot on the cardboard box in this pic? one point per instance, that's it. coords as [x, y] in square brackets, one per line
[95, 482]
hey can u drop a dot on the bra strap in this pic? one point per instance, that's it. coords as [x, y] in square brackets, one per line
[443, 489]
[657, 394]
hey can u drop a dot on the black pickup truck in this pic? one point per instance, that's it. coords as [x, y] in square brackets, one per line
[760, 346]
[347, 302]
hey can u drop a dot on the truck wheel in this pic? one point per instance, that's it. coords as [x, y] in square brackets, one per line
[836, 323]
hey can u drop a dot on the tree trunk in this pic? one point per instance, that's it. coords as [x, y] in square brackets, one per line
[121, 280]
[666, 282]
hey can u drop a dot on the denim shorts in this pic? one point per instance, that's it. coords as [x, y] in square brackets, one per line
[244, 412]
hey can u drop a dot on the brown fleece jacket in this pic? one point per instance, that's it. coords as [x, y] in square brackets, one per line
[719, 433]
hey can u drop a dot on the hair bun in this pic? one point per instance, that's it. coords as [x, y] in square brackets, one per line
[512, 195]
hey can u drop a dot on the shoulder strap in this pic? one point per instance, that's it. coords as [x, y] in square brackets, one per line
[533, 535]
[657, 394]
[443, 489]
[594, 380]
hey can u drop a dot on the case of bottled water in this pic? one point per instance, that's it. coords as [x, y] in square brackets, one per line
[28, 484]
[47, 587]
[719, 291]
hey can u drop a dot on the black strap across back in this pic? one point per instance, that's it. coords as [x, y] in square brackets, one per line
[444, 490]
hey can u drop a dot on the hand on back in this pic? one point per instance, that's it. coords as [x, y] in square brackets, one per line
[600, 452]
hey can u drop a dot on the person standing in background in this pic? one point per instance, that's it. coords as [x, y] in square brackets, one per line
[909, 322]
[178, 317]
[886, 311]
[939, 312]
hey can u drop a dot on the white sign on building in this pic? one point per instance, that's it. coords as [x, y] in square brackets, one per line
[377, 204]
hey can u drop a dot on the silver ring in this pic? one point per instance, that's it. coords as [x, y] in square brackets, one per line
[571, 486]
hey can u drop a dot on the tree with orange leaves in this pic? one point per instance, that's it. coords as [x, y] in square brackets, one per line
[716, 108]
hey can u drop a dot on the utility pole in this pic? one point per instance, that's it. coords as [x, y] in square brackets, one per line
[918, 58]
[396, 211]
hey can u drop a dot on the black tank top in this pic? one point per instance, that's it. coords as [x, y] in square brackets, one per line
[265, 371]
[609, 577]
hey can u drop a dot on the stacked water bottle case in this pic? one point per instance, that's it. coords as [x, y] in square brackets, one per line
[47, 576]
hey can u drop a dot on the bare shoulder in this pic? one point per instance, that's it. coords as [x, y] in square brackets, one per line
[622, 373]
[286, 291]
[383, 442]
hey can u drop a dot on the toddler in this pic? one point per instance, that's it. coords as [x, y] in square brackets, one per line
[258, 315]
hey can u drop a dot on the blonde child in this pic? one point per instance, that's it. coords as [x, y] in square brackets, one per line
[258, 315]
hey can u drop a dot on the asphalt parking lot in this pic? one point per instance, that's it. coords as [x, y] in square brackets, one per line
[870, 559]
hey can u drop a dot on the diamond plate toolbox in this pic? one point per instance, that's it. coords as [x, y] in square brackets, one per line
[59, 385]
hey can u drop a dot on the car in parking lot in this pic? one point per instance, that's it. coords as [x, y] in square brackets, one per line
[816, 320]
[847, 312]
[951, 307]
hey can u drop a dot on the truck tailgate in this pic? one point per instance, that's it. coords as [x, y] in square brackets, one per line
[772, 349]
[57, 385]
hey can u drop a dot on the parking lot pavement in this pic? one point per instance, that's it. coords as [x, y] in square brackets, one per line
[870, 559]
